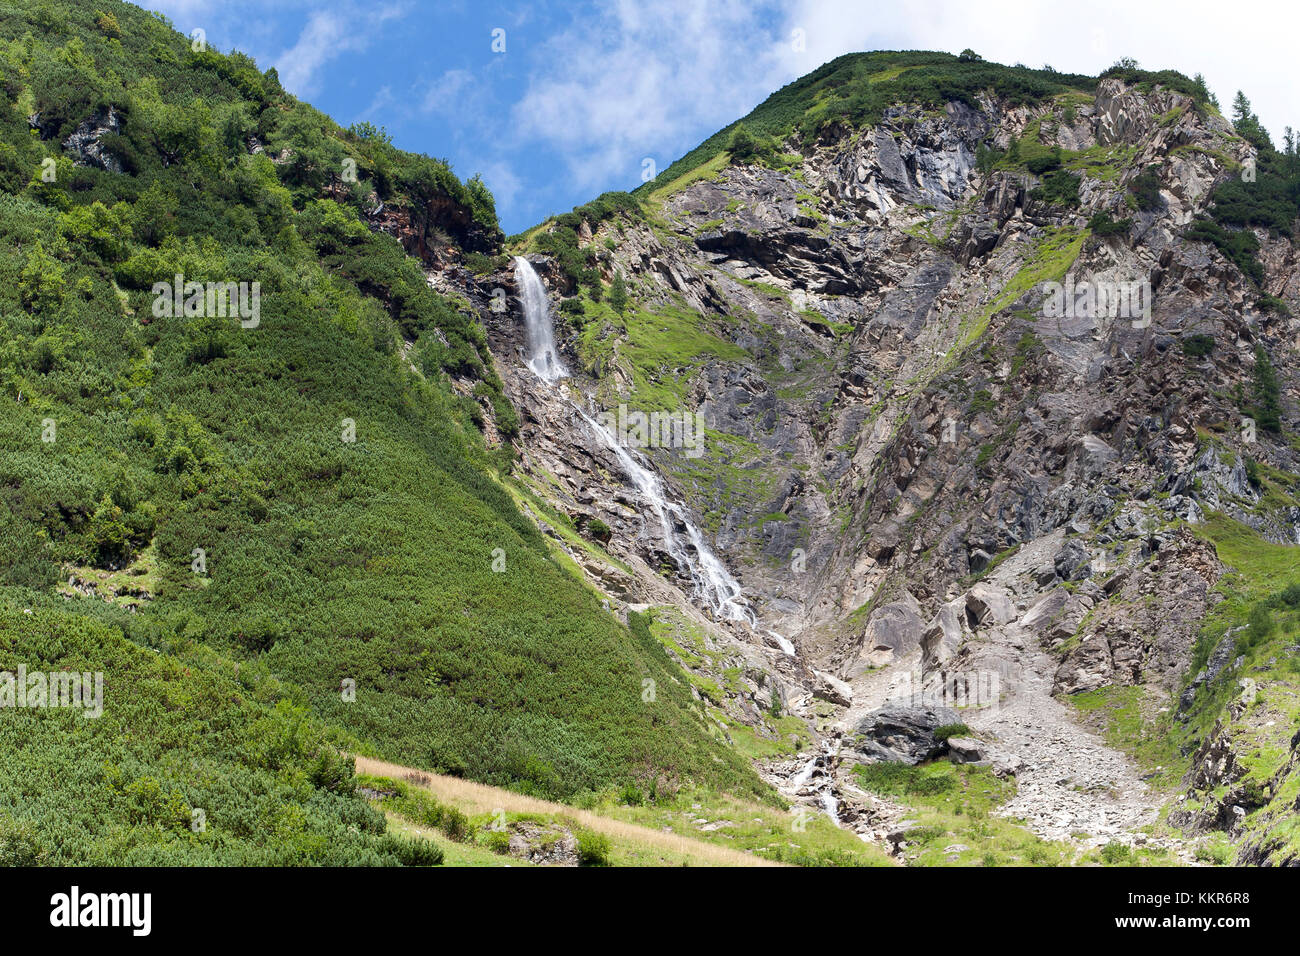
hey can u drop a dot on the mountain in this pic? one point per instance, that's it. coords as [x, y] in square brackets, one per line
[774, 504]
[996, 375]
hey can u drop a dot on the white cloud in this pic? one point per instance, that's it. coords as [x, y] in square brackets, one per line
[503, 183]
[329, 32]
[447, 94]
[633, 80]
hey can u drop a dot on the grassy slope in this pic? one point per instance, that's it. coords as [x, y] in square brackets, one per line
[1261, 595]
[688, 828]
[325, 559]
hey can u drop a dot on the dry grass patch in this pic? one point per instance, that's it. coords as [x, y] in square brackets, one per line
[480, 798]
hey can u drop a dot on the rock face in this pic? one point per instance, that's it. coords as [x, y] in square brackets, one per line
[903, 734]
[893, 631]
[86, 144]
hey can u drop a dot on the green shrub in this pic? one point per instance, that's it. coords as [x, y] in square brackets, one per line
[413, 851]
[1043, 164]
[498, 841]
[1145, 188]
[1198, 344]
[1060, 187]
[987, 157]
[19, 845]
[1252, 471]
[1114, 853]
[1271, 303]
[1101, 224]
[1289, 596]
[951, 730]
[455, 824]
[593, 848]
[1259, 627]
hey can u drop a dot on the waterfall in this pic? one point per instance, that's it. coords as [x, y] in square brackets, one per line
[542, 356]
[824, 788]
[712, 582]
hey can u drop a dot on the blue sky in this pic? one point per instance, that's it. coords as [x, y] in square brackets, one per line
[585, 92]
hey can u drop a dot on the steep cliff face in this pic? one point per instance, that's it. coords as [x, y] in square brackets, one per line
[917, 461]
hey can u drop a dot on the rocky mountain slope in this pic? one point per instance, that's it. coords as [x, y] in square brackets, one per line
[940, 488]
[775, 503]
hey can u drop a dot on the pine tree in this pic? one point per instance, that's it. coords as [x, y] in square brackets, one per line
[1240, 109]
[1247, 123]
[1268, 402]
[618, 294]
[1203, 90]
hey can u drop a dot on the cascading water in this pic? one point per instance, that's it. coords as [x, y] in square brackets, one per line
[711, 579]
[822, 766]
[543, 359]
[713, 584]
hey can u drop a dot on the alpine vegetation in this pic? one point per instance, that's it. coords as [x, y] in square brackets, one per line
[178, 298]
[53, 689]
[906, 475]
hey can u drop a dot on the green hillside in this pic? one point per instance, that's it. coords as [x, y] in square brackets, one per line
[344, 503]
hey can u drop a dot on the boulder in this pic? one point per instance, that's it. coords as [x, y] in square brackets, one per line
[831, 688]
[894, 630]
[1046, 610]
[965, 750]
[943, 636]
[903, 734]
[986, 604]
